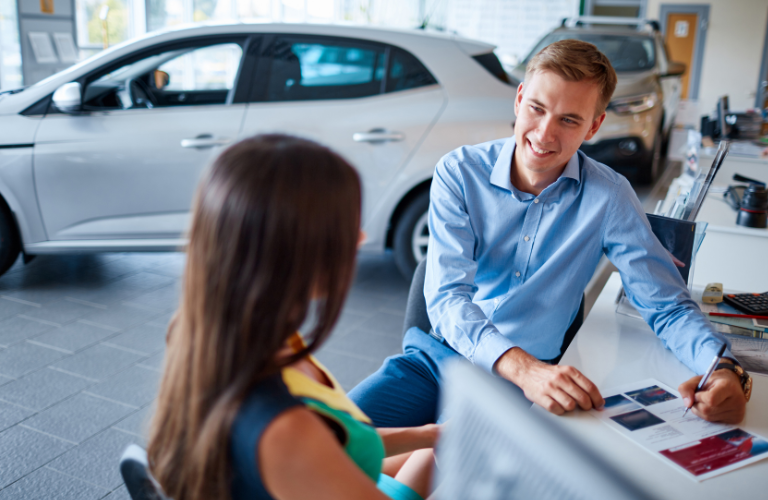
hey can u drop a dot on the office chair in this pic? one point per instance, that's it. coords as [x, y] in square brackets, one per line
[416, 310]
[135, 471]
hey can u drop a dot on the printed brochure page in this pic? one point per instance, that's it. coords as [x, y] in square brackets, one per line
[651, 414]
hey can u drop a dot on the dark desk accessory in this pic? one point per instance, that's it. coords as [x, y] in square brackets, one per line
[735, 193]
[753, 210]
[678, 237]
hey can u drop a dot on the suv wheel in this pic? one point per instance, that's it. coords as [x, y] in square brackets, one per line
[412, 235]
[650, 172]
[10, 245]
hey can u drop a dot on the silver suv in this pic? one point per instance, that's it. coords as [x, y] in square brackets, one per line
[642, 111]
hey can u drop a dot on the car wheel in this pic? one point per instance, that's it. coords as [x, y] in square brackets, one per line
[10, 246]
[648, 173]
[412, 235]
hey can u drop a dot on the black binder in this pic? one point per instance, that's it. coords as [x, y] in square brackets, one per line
[677, 236]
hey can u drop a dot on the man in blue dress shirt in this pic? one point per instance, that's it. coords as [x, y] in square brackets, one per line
[517, 229]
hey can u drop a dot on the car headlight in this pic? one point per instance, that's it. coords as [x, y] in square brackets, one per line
[634, 104]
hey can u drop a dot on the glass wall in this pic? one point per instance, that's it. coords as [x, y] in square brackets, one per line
[10, 49]
[93, 31]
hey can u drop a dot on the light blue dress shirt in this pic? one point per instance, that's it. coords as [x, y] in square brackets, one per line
[506, 268]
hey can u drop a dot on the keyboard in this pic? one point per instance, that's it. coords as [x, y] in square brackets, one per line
[749, 303]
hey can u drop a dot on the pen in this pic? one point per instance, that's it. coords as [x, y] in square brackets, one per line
[745, 316]
[709, 373]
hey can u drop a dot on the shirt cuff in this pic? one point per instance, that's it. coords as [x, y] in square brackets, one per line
[705, 357]
[490, 348]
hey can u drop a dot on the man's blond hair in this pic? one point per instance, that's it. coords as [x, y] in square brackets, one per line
[576, 61]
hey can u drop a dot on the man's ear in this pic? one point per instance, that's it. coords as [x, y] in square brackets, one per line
[595, 126]
[518, 98]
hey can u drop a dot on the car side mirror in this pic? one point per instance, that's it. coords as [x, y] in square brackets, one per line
[161, 79]
[69, 97]
[675, 68]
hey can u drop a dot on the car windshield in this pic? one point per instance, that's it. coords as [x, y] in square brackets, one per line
[626, 53]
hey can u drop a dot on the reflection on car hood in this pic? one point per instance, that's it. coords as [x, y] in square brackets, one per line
[635, 83]
[628, 84]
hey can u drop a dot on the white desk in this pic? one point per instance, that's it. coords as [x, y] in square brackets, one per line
[733, 255]
[614, 349]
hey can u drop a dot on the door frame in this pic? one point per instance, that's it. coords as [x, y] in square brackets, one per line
[701, 37]
[763, 75]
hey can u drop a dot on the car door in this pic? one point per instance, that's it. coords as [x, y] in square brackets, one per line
[370, 102]
[127, 167]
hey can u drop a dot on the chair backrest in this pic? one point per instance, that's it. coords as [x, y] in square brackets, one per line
[416, 310]
[135, 471]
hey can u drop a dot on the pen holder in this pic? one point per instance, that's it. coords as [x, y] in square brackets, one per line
[682, 239]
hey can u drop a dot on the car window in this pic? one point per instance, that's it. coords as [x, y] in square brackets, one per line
[303, 70]
[626, 53]
[207, 68]
[178, 77]
[407, 72]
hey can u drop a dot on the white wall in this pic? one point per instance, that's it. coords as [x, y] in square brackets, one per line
[513, 26]
[733, 51]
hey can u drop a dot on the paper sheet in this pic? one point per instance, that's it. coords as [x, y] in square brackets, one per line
[651, 414]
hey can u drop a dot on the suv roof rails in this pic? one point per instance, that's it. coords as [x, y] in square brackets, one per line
[572, 22]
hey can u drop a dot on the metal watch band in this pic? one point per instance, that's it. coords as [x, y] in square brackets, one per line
[744, 378]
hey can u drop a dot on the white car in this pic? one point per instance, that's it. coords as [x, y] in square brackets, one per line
[105, 156]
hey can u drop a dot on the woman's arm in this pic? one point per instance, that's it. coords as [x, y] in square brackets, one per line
[399, 440]
[300, 458]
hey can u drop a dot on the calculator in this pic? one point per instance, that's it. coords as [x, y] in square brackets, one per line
[750, 303]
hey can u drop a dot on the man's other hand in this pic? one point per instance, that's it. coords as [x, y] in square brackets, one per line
[721, 400]
[557, 389]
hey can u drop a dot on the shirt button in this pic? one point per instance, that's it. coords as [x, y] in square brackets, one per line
[495, 301]
[517, 274]
[526, 238]
[536, 200]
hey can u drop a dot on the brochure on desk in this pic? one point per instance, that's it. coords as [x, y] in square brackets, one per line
[651, 414]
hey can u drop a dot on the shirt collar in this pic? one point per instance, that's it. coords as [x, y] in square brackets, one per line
[500, 175]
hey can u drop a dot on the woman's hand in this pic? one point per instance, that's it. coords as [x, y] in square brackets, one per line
[398, 440]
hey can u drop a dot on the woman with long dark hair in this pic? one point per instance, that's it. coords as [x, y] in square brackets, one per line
[244, 410]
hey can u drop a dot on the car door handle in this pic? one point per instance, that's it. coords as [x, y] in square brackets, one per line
[377, 136]
[204, 141]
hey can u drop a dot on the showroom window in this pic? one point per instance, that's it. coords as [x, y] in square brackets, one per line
[99, 18]
[304, 70]
[178, 77]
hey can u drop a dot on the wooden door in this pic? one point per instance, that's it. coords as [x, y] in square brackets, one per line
[681, 42]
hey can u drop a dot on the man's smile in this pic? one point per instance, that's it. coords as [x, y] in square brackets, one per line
[539, 152]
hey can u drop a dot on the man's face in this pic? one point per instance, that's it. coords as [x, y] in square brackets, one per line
[554, 117]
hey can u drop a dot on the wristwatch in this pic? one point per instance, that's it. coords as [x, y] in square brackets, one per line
[744, 378]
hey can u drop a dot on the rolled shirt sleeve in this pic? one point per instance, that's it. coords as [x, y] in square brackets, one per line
[654, 285]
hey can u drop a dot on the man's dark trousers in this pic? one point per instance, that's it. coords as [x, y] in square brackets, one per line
[405, 391]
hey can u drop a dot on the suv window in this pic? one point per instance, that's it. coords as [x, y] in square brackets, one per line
[182, 76]
[626, 53]
[304, 70]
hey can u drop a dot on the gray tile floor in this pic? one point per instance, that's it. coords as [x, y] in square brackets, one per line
[82, 340]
